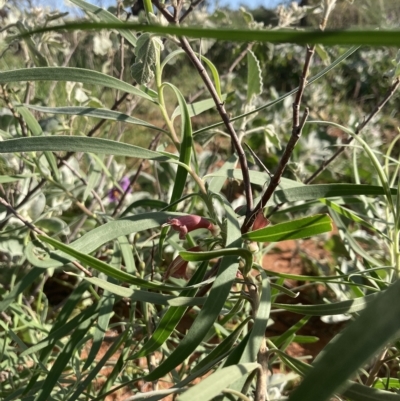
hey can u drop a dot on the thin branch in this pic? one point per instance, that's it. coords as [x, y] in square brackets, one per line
[85, 183]
[192, 6]
[262, 374]
[239, 58]
[135, 177]
[27, 223]
[220, 107]
[296, 133]
[225, 118]
[375, 368]
[163, 10]
[33, 228]
[9, 26]
[390, 92]
[16, 115]
[69, 154]
[258, 160]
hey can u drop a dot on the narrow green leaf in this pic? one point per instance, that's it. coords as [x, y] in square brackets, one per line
[36, 130]
[292, 330]
[19, 287]
[105, 16]
[106, 305]
[354, 392]
[374, 160]
[197, 108]
[94, 176]
[185, 149]
[257, 333]
[104, 114]
[70, 74]
[256, 177]
[327, 191]
[358, 392]
[63, 359]
[93, 374]
[218, 294]
[295, 229]
[223, 348]
[30, 120]
[200, 256]
[65, 329]
[109, 270]
[352, 216]
[101, 235]
[78, 144]
[336, 308]
[214, 73]
[216, 183]
[334, 37]
[5, 179]
[359, 342]
[145, 296]
[71, 304]
[217, 382]
[171, 318]
[260, 322]
[349, 242]
[127, 254]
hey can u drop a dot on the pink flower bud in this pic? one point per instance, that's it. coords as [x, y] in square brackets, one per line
[260, 221]
[185, 224]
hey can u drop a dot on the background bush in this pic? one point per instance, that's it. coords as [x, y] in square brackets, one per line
[129, 257]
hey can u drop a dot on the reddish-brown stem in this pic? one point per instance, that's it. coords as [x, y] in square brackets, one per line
[296, 133]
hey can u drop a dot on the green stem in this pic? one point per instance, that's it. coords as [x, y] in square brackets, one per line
[163, 109]
[148, 7]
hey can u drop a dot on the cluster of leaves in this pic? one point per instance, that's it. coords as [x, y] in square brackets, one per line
[104, 176]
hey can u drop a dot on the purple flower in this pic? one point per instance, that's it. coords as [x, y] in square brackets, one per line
[115, 194]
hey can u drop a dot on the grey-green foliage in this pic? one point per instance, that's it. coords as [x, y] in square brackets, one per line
[147, 48]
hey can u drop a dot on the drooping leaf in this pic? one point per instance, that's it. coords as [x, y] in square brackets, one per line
[145, 296]
[105, 16]
[104, 114]
[101, 235]
[77, 144]
[70, 74]
[115, 273]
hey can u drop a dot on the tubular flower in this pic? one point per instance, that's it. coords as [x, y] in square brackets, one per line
[185, 224]
[178, 266]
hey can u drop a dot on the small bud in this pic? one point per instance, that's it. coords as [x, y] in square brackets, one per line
[253, 247]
